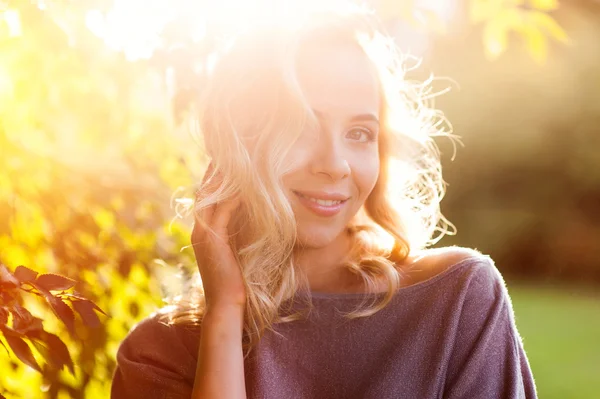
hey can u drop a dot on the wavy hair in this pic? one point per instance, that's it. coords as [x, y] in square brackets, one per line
[250, 115]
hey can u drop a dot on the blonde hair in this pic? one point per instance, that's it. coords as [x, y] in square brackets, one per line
[251, 99]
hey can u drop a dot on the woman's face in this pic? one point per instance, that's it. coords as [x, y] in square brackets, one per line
[335, 166]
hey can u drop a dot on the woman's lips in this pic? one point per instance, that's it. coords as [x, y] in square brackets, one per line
[322, 204]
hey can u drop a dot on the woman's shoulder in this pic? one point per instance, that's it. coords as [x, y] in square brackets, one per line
[155, 358]
[432, 264]
[156, 339]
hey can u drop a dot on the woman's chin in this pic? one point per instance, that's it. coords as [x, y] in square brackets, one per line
[315, 238]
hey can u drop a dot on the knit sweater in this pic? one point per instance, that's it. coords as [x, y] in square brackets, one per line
[451, 336]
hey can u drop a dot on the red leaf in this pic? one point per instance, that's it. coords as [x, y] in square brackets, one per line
[47, 355]
[98, 309]
[60, 350]
[22, 351]
[55, 282]
[61, 310]
[24, 274]
[64, 313]
[6, 276]
[26, 322]
[54, 351]
[82, 298]
[3, 316]
[85, 309]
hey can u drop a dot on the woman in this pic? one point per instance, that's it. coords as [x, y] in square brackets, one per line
[311, 230]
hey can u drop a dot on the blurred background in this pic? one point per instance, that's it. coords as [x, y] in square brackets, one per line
[94, 146]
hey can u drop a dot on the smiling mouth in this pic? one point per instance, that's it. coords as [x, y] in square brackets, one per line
[323, 206]
[320, 201]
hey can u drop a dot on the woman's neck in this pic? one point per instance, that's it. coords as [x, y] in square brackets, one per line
[324, 268]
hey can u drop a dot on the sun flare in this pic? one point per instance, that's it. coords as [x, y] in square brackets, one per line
[134, 26]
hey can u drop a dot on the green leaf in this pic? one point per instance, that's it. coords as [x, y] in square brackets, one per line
[55, 282]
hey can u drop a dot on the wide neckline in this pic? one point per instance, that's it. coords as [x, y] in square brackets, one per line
[361, 295]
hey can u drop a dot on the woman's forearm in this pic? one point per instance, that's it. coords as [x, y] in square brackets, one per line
[220, 369]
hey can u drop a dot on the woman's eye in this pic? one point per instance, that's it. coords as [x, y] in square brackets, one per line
[361, 135]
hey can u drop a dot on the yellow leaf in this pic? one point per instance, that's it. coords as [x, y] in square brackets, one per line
[104, 218]
[495, 31]
[548, 24]
[138, 275]
[483, 10]
[544, 5]
[537, 44]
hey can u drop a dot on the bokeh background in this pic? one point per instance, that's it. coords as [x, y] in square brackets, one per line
[94, 147]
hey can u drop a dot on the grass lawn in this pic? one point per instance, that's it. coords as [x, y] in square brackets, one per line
[560, 328]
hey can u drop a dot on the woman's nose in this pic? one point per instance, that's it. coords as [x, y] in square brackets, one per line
[330, 159]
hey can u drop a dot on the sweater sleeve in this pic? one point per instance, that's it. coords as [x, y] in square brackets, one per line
[488, 359]
[153, 362]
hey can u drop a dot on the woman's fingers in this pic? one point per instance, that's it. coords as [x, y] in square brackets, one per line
[222, 214]
[209, 185]
[215, 218]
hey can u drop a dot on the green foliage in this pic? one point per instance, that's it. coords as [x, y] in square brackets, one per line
[560, 329]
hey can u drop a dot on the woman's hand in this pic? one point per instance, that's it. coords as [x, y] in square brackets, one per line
[220, 272]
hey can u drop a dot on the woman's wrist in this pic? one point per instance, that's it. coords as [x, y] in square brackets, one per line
[224, 314]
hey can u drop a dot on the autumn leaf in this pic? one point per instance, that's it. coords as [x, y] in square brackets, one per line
[60, 350]
[86, 311]
[544, 5]
[61, 310]
[47, 355]
[6, 277]
[24, 321]
[79, 297]
[55, 282]
[53, 349]
[22, 351]
[3, 316]
[64, 312]
[24, 274]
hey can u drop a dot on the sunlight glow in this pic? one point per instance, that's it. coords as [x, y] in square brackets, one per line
[131, 26]
[134, 26]
[12, 20]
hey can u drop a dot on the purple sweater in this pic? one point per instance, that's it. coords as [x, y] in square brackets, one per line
[452, 336]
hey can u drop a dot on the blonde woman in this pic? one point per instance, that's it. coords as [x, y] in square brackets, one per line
[311, 233]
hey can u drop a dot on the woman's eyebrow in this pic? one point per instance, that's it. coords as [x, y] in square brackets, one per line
[367, 117]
